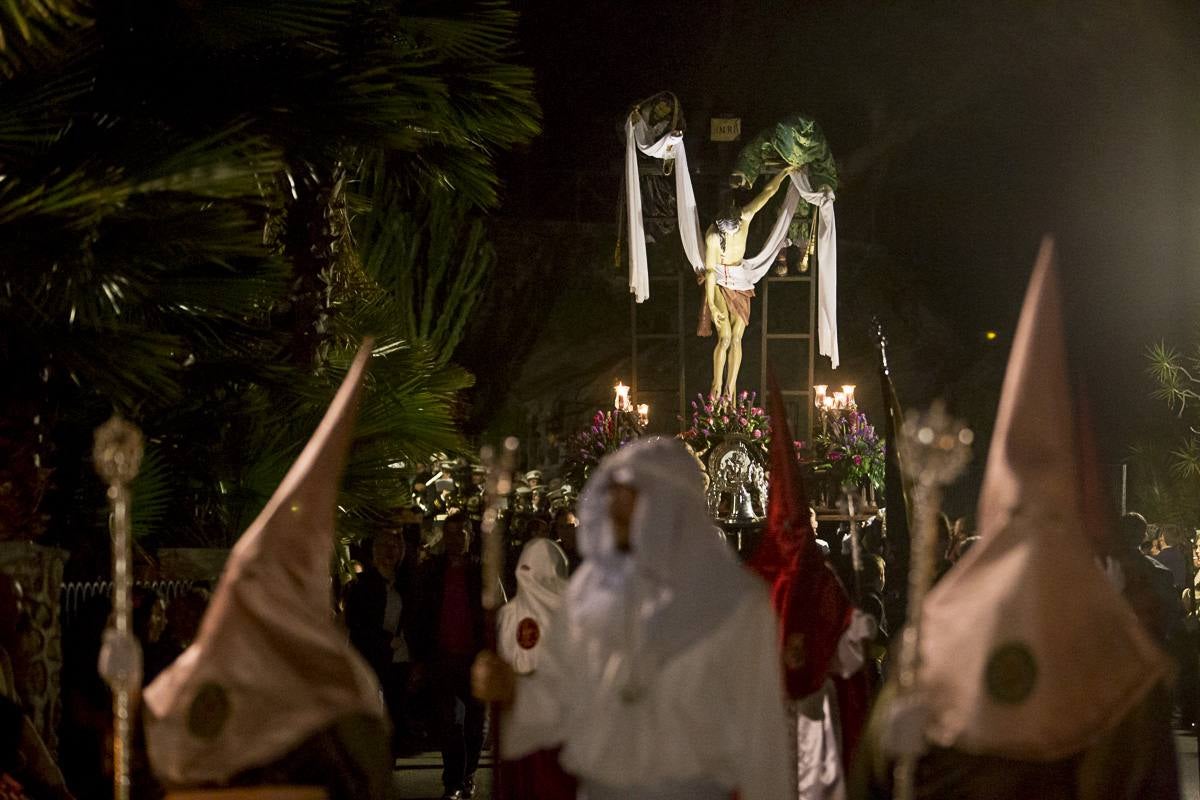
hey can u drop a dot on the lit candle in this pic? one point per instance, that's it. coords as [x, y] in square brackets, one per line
[643, 411]
[839, 399]
[621, 402]
[827, 401]
[821, 390]
[848, 390]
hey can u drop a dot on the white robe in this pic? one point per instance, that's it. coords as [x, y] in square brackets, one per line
[713, 712]
[819, 773]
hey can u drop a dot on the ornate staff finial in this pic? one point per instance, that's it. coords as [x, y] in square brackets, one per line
[935, 449]
[117, 454]
[118, 451]
[937, 446]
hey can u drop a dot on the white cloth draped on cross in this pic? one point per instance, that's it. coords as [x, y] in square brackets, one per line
[670, 146]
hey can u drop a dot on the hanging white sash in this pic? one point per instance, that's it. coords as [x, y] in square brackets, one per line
[754, 267]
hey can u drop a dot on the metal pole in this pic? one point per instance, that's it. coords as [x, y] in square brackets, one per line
[1125, 488]
[493, 530]
[682, 354]
[856, 561]
[118, 455]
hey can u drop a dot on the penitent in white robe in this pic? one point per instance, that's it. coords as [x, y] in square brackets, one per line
[819, 773]
[710, 718]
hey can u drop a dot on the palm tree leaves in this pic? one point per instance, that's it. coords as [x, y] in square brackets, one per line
[1179, 387]
[239, 23]
[32, 29]
[1161, 492]
[1175, 375]
[151, 156]
[429, 264]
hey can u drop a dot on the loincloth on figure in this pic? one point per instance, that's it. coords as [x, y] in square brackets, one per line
[737, 302]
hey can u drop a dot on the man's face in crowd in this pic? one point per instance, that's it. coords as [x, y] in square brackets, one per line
[387, 552]
[622, 501]
[158, 619]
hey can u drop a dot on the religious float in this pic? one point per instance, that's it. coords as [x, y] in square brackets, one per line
[726, 428]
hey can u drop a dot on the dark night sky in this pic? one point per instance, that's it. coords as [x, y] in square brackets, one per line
[963, 132]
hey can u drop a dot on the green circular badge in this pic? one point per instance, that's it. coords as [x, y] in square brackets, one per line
[209, 711]
[1011, 673]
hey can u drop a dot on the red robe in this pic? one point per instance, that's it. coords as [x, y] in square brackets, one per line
[813, 606]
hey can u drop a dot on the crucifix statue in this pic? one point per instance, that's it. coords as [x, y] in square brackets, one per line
[727, 289]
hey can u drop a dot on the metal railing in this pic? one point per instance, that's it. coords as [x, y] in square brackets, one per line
[75, 595]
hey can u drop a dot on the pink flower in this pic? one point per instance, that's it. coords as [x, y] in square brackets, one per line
[834, 455]
[758, 434]
[857, 460]
[724, 420]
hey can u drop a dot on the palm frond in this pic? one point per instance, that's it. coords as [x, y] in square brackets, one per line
[153, 492]
[431, 262]
[130, 365]
[1176, 384]
[242, 23]
[1187, 459]
[35, 31]
[36, 110]
[486, 31]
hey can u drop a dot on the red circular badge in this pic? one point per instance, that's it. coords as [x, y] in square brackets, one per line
[528, 633]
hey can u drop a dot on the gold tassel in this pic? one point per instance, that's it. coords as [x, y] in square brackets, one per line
[812, 242]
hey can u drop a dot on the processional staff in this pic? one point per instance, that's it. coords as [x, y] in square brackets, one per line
[498, 488]
[853, 508]
[936, 448]
[118, 455]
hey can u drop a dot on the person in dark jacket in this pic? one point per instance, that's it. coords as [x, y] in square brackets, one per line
[380, 617]
[450, 635]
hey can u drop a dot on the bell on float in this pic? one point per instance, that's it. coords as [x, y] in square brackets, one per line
[743, 506]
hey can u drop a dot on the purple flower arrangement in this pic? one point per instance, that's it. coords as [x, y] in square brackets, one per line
[608, 432]
[849, 450]
[713, 418]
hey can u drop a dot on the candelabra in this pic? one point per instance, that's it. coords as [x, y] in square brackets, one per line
[625, 410]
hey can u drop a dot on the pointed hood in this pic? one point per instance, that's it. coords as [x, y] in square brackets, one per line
[1027, 650]
[525, 620]
[813, 607]
[269, 667]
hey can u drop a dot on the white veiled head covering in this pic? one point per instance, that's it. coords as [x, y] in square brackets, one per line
[679, 582]
[525, 620]
[269, 667]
